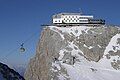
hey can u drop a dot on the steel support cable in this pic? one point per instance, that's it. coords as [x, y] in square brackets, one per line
[17, 48]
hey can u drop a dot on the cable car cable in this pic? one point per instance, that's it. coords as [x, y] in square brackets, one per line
[17, 48]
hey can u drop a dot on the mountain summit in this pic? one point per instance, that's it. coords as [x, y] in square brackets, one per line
[76, 53]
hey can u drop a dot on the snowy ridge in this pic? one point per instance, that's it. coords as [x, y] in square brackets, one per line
[113, 44]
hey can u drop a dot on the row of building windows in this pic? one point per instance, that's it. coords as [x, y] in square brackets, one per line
[78, 21]
[72, 21]
[57, 21]
[78, 17]
[75, 20]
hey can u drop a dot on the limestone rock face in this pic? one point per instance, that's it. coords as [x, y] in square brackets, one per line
[76, 53]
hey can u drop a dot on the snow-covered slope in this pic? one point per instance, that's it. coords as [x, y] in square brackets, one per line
[77, 53]
[9, 74]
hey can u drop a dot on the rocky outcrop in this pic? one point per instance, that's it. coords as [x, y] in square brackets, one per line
[65, 50]
[9, 74]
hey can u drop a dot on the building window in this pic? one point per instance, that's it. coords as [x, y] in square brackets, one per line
[72, 20]
[69, 20]
[56, 21]
[76, 20]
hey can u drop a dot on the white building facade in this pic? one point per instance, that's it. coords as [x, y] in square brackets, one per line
[71, 18]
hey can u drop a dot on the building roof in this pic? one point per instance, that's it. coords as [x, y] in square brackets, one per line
[59, 14]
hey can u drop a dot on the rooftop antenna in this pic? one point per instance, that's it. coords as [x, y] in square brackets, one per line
[80, 11]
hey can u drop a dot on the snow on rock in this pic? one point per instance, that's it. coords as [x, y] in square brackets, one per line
[74, 51]
[61, 77]
[90, 47]
[56, 65]
[77, 53]
[113, 45]
[107, 57]
[76, 30]
[61, 54]
[78, 72]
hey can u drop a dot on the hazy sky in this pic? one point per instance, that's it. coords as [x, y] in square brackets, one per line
[19, 19]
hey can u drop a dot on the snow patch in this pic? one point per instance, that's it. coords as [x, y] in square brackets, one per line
[90, 47]
[99, 46]
[78, 72]
[56, 65]
[58, 31]
[61, 54]
[61, 77]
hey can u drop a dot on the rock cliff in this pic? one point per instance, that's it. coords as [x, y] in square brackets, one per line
[76, 53]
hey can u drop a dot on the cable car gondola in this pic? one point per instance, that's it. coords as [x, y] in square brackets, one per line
[22, 49]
